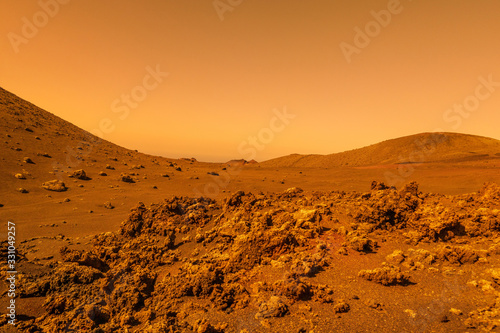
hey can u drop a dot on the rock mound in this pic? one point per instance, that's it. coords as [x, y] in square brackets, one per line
[80, 174]
[55, 185]
[386, 275]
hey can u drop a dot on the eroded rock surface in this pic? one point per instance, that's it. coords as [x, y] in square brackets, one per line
[198, 265]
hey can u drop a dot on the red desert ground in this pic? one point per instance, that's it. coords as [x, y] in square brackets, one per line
[399, 236]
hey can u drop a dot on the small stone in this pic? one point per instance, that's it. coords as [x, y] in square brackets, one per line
[80, 174]
[373, 304]
[126, 178]
[108, 205]
[274, 307]
[341, 307]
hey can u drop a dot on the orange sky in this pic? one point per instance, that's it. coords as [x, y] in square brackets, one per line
[78, 59]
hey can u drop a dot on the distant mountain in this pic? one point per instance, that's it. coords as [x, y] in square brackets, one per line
[424, 147]
[57, 146]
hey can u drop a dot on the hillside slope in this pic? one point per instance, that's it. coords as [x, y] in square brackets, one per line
[418, 148]
[53, 144]
[39, 147]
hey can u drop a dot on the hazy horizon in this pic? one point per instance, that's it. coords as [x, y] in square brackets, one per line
[211, 82]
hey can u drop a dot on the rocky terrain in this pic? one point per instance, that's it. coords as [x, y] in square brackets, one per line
[386, 260]
[275, 246]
